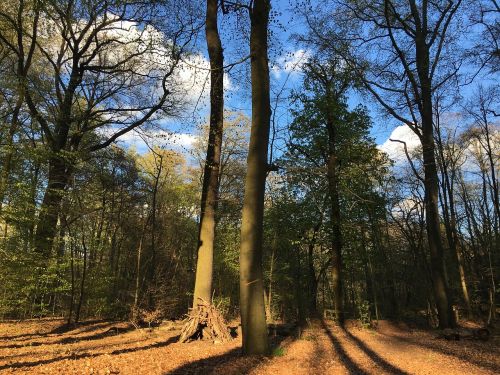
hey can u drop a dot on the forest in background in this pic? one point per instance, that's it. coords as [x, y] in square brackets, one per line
[90, 228]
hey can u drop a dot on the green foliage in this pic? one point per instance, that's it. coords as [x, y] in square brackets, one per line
[278, 352]
[364, 314]
[223, 305]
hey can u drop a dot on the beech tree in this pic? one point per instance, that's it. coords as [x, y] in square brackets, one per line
[417, 41]
[323, 220]
[329, 84]
[106, 66]
[253, 316]
[209, 194]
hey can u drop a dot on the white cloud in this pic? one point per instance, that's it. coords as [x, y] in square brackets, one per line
[146, 51]
[475, 153]
[140, 139]
[291, 62]
[409, 204]
[395, 150]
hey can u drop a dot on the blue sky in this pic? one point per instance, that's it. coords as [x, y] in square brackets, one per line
[284, 62]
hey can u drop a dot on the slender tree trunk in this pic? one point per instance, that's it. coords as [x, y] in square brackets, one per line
[312, 280]
[381, 246]
[449, 214]
[371, 290]
[204, 266]
[138, 272]
[154, 203]
[299, 296]
[495, 195]
[253, 316]
[72, 298]
[268, 298]
[9, 154]
[82, 283]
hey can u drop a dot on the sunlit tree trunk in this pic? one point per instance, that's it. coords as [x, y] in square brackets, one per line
[253, 316]
[204, 267]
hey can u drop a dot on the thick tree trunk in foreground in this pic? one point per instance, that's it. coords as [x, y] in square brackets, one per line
[204, 267]
[253, 316]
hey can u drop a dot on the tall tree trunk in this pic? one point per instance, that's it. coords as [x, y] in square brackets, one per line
[82, 283]
[49, 211]
[312, 281]
[154, 203]
[72, 265]
[268, 297]
[333, 190]
[312, 278]
[495, 197]
[138, 272]
[298, 286]
[204, 266]
[449, 213]
[381, 246]
[431, 182]
[371, 286]
[431, 185]
[253, 316]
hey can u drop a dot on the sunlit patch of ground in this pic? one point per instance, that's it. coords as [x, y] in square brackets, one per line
[103, 347]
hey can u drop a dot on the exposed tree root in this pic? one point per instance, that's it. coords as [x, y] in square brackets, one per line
[204, 322]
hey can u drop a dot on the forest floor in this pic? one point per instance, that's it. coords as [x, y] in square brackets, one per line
[104, 347]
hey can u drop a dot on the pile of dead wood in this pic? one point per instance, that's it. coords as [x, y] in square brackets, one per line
[204, 322]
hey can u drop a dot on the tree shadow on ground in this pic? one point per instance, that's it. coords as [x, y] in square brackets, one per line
[232, 362]
[382, 363]
[318, 356]
[88, 355]
[453, 348]
[64, 328]
[113, 331]
[92, 326]
[70, 340]
[351, 366]
[22, 337]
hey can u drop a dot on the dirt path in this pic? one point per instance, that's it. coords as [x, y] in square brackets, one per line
[38, 347]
